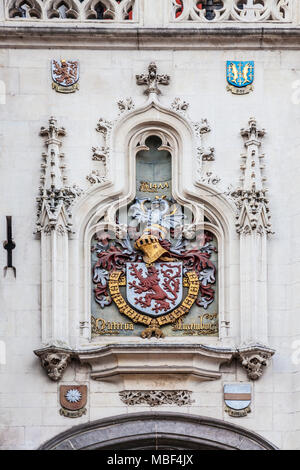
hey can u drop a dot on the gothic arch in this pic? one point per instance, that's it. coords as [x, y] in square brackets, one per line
[121, 162]
[24, 9]
[140, 431]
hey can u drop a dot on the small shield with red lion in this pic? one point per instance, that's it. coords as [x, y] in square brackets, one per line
[65, 75]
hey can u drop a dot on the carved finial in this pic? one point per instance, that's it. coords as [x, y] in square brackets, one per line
[52, 132]
[52, 165]
[252, 175]
[252, 132]
[152, 80]
[251, 197]
[55, 195]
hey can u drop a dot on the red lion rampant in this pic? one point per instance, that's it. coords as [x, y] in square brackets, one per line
[150, 285]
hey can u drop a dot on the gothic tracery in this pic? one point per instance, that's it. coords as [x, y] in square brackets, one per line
[114, 10]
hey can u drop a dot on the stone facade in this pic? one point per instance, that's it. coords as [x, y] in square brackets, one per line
[236, 155]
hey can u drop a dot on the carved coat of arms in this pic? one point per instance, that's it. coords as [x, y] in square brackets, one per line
[152, 280]
[240, 76]
[73, 399]
[65, 75]
[237, 399]
[154, 289]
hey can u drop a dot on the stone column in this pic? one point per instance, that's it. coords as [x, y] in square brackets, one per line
[54, 285]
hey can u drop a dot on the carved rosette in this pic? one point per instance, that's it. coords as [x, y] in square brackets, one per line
[156, 397]
[254, 359]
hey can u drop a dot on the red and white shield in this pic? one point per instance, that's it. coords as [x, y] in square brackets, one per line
[155, 289]
[65, 72]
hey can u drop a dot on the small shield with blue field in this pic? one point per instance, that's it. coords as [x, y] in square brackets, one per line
[240, 76]
[237, 399]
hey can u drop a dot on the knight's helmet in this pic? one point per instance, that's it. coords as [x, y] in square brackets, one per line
[150, 246]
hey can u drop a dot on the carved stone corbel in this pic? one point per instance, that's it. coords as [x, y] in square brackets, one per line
[254, 359]
[125, 361]
[54, 361]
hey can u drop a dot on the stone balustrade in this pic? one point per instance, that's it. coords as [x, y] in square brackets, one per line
[219, 11]
[153, 13]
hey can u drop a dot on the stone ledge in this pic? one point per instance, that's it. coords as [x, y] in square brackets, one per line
[45, 36]
[123, 362]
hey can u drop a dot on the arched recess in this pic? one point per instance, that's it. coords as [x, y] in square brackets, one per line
[99, 205]
[154, 431]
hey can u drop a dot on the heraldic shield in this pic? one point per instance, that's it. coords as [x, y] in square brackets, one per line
[65, 75]
[237, 399]
[240, 76]
[73, 400]
[154, 289]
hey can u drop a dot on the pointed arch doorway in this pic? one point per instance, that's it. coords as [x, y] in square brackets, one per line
[158, 431]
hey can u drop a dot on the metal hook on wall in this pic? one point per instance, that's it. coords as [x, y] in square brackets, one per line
[9, 245]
